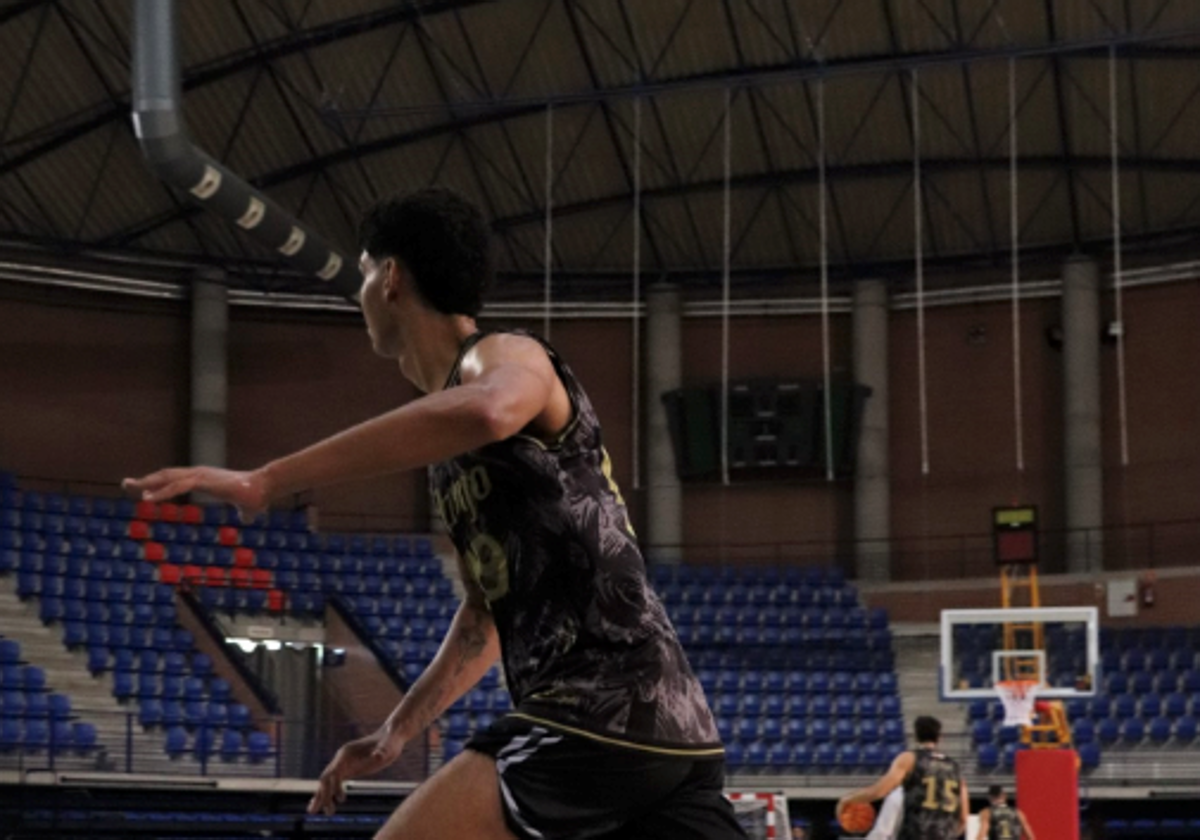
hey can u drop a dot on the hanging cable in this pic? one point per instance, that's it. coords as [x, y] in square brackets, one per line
[1117, 268]
[548, 256]
[728, 244]
[634, 326]
[920, 272]
[1013, 215]
[824, 250]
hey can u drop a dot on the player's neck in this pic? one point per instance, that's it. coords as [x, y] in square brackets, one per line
[436, 344]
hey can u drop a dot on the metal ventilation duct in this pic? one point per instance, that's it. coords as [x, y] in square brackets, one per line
[158, 124]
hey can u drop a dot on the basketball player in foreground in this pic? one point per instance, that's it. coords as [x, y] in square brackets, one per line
[611, 734]
[936, 804]
[1001, 821]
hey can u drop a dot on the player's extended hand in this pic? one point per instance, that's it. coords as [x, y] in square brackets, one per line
[355, 759]
[246, 490]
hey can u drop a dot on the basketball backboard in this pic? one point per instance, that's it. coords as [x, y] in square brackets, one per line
[1058, 647]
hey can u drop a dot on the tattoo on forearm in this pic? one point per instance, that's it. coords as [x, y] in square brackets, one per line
[469, 640]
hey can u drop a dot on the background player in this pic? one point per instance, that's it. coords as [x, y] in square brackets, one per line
[1001, 821]
[936, 804]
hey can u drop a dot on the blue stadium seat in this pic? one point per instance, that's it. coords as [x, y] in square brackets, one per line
[982, 732]
[10, 734]
[820, 731]
[1100, 707]
[1089, 756]
[746, 728]
[725, 729]
[1125, 706]
[1140, 682]
[37, 735]
[36, 706]
[172, 712]
[1108, 731]
[232, 745]
[204, 743]
[1159, 730]
[1185, 729]
[1083, 731]
[60, 706]
[1133, 731]
[1150, 706]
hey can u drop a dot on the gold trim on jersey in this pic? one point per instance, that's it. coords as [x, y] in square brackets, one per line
[604, 739]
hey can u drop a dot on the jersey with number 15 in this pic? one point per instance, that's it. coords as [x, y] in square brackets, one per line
[932, 798]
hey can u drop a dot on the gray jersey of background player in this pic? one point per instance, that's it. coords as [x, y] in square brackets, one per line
[936, 803]
[1001, 821]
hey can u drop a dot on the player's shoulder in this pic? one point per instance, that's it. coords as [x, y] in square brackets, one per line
[508, 347]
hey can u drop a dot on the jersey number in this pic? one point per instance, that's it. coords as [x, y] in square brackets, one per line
[488, 564]
[948, 801]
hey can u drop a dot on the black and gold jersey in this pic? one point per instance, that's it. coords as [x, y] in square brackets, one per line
[932, 798]
[1004, 823]
[545, 536]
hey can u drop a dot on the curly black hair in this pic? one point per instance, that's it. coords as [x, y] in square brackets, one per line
[927, 729]
[442, 238]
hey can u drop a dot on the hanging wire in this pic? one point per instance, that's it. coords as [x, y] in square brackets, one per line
[1013, 215]
[637, 291]
[920, 272]
[1122, 409]
[728, 244]
[548, 256]
[824, 234]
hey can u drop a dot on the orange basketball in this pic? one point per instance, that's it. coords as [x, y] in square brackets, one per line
[857, 817]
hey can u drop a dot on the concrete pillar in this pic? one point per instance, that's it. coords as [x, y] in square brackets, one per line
[663, 373]
[1084, 478]
[210, 385]
[872, 490]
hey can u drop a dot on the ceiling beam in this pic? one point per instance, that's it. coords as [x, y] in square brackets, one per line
[94, 118]
[858, 172]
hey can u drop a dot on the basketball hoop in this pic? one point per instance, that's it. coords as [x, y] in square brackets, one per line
[1018, 697]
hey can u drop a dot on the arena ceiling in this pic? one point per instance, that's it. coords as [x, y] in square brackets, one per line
[327, 105]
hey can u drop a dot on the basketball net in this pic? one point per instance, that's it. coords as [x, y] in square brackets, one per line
[1018, 697]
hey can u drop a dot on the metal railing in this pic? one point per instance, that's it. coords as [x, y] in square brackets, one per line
[1149, 545]
[289, 748]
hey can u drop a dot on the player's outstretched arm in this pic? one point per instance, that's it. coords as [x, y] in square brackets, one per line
[964, 811]
[885, 784]
[508, 383]
[470, 648]
[1026, 831]
[985, 819]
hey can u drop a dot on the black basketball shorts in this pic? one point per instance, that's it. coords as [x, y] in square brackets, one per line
[562, 785]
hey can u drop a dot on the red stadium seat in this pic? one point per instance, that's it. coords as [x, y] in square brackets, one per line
[275, 600]
[193, 575]
[227, 535]
[243, 558]
[170, 573]
[240, 578]
[139, 530]
[146, 511]
[191, 515]
[260, 578]
[154, 552]
[168, 512]
[215, 576]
